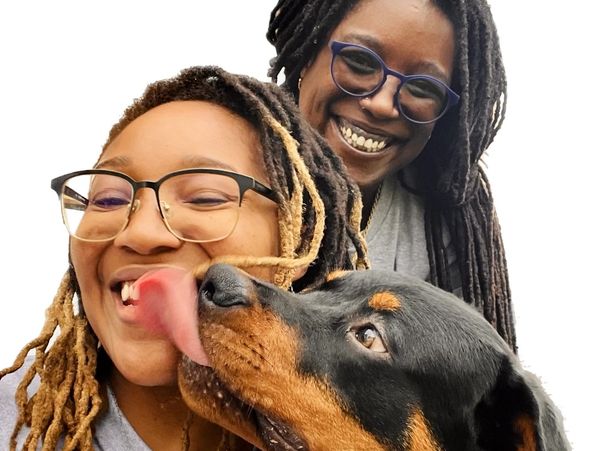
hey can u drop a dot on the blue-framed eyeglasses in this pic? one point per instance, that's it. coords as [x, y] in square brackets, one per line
[198, 205]
[360, 72]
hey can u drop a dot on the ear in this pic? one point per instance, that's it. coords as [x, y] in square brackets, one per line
[518, 415]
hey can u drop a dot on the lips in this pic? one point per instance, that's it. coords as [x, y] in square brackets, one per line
[361, 139]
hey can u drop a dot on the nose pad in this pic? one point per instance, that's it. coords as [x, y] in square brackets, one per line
[146, 231]
[135, 206]
[166, 209]
[226, 286]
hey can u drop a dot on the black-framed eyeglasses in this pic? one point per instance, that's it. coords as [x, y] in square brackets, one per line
[360, 72]
[198, 205]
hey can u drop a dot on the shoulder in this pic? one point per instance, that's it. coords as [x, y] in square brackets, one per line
[112, 431]
[8, 404]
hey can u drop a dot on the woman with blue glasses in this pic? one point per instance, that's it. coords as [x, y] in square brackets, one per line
[410, 94]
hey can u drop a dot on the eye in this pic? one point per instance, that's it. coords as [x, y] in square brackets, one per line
[369, 337]
[206, 199]
[426, 89]
[109, 200]
[359, 61]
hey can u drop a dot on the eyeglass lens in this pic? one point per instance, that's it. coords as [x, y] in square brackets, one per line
[195, 207]
[359, 72]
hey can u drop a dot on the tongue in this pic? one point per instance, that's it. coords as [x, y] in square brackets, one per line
[167, 298]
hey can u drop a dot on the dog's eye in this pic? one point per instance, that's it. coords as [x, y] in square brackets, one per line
[369, 337]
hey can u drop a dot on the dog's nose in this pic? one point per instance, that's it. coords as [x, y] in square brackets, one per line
[225, 286]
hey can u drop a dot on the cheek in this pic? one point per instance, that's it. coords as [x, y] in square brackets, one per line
[422, 134]
[412, 150]
[317, 91]
[256, 235]
[85, 258]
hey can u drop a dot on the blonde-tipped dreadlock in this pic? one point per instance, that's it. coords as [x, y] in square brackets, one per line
[68, 396]
[308, 180]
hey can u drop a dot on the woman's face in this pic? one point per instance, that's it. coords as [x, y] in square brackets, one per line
[173, 136]
[412, 37]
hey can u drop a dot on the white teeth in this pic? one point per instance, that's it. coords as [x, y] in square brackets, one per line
[361, 142]
[126, 291]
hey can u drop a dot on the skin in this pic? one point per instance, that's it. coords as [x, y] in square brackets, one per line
[412, 37]
[173, 136]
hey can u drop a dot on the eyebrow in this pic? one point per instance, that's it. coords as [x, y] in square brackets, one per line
[113, 163]
[424, 67]
[191, 161]
[196, 161]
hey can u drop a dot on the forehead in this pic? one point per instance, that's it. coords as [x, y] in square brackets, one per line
[182, 134]
[411, 35]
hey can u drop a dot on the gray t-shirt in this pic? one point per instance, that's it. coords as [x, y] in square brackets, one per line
[112, 430]
[396, 235]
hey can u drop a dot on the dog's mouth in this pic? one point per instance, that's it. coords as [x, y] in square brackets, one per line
[210, 398]
[276, 435]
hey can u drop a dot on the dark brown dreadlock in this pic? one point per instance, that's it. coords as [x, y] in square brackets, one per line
[308, 180]
[450, 177]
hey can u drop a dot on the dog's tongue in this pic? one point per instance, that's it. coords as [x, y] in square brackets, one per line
[167, 301]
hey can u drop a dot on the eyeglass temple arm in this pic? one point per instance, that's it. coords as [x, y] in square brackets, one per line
[71, 193]
[264, 190]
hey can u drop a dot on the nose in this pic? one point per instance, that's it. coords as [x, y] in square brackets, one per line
[381, 104]
[226, 286]
[146, 232]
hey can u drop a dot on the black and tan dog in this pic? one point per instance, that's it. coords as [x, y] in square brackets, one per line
[372, 360]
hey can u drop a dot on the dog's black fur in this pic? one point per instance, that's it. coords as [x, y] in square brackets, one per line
[439, 358]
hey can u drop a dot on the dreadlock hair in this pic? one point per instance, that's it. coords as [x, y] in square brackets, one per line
[449, 172]
[308, 179]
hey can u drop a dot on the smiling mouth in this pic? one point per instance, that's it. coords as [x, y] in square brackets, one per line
[360, 139]
[128, 292]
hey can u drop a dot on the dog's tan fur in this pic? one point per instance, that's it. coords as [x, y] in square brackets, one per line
[306, 402]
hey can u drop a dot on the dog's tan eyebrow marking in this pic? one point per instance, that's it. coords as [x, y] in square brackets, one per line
[524, 425]
[418, 435]
[336, 274]
[384, 300]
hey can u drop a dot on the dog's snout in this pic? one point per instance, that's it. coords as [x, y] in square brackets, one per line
[225, 286]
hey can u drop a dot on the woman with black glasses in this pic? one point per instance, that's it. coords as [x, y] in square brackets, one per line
[202, 168]
[410, 94]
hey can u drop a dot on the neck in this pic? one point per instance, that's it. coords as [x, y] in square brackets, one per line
[158, 415]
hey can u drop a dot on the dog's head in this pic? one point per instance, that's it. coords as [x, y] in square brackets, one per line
[371, 360]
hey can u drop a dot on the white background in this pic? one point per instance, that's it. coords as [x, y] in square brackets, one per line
[68, 69]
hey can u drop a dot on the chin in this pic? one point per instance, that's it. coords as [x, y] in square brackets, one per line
[364, 180]
[151, 375]
[149, 368]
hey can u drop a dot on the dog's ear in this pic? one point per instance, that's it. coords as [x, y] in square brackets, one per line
[518, 415]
